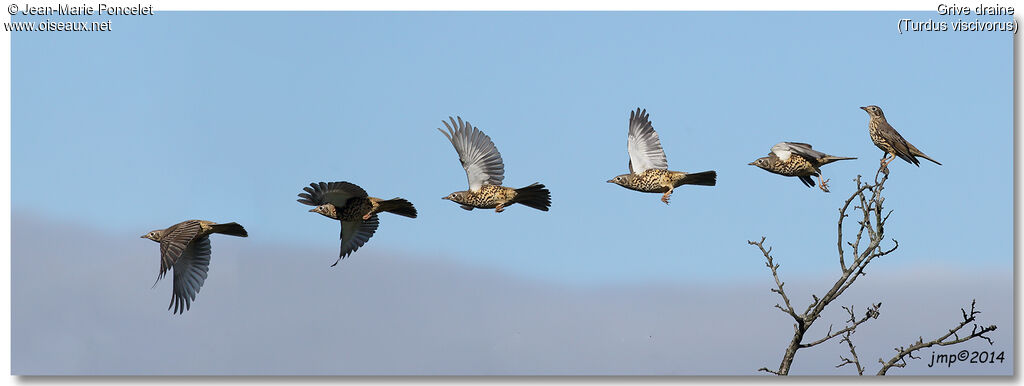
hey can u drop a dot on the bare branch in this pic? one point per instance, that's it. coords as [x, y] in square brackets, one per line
[883, 253]
[867, 203]
[968, 318]
[778, 283]
[843, 216]
[849, 342]
[853, 350]
[767, 370]
[872, 313]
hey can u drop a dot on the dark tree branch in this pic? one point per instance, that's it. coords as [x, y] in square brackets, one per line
[867, 201]
[842, 216]
[853, 350]
[846, 339]
[899, 360]
[767, 370]
[872, 313]
[779, 284]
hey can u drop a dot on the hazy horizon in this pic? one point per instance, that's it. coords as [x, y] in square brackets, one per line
[382, 314]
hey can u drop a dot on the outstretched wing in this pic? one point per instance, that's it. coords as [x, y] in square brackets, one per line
[783, 150]
[174, 242]
[644, 147]
[335, 193]
[190, 273]
[477, 153]
[356, 233]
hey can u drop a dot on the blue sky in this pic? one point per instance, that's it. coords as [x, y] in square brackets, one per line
[225, 116]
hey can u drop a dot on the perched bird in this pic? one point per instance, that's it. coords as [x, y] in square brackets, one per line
[795, 159]
[890, 141]
[485, 171]
[185, 246]
[348, 203]
[648, 167]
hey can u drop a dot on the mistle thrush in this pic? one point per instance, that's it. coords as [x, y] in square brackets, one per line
[485, 171]
[357, 212]
[648, 167]
[890, 141]
[795, 159]
[185, 246]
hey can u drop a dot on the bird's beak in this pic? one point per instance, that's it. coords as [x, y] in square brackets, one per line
[313, 210]
[609, 181]
[444, 198]
[751, 164]
[142, 237]
[864, 108]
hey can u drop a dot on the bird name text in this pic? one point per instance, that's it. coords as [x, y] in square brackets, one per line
[980, 10]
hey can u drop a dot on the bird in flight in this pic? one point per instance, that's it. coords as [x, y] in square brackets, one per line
[795, 159]
[890, 141]
[357, 212]
[185, 247]
[485, 172]
[648, 167]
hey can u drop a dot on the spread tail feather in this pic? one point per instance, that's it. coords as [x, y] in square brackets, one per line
[707, 178]
[399, 206]
[231, 228]
[534, 196]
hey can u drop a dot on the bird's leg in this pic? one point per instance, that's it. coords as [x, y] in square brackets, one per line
[367, 215]
[889, 159]
[885, 162]
[823, 183]
[500, 208]
[665, 197]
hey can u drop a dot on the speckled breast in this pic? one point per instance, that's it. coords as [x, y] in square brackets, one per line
[877, 138]
[652, 181]
[490, 196]
[795, 166]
